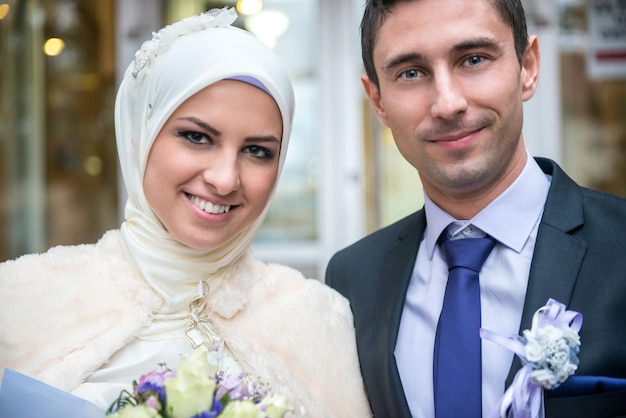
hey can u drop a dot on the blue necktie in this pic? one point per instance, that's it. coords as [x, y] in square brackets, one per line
[457, 354]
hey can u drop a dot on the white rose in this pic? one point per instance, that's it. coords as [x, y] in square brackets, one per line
[551, 333]
[139, 411]
[535, 352]
[191, 391]
[242, 409]
[566, 371]
[275, 406]
[543, 377]
[572, 337]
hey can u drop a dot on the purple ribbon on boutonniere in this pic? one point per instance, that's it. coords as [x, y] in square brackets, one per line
[549, 354]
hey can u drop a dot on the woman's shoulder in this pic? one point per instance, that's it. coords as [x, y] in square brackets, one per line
[281, 280]
[301, 323]
[85, 268]
[286, 295]
[66, 263]
[49, 296]
[62, 255]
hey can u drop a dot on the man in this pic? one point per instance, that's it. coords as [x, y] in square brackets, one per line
[449, 77]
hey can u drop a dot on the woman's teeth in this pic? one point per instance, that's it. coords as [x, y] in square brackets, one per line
[209, 207]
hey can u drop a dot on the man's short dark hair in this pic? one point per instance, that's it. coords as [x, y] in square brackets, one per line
[511, 12]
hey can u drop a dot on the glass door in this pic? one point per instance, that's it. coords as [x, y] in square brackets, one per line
[58, 179]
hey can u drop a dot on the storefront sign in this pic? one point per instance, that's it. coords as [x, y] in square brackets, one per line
[607, 39]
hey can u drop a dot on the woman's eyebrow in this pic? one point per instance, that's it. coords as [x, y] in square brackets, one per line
[253, 138]
[202, 124]
[263, 138]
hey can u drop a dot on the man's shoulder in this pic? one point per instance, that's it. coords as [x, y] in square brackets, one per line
[590, 197]
[604, 215]
[566, 197]
[595, 198]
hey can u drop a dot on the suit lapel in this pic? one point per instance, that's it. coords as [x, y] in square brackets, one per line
[553, 271]
[558, 255]
[396, 272]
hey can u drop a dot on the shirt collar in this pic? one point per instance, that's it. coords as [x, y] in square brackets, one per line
[510, 218]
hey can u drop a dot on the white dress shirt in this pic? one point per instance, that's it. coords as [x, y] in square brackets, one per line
[512, 219]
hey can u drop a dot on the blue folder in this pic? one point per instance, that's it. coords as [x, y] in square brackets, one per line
[24, 397]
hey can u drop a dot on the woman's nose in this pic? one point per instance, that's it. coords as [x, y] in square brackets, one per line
[222, 173]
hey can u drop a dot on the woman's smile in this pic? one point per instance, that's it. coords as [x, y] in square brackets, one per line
[208, 207]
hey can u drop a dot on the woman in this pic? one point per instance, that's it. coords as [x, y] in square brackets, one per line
[203, 117]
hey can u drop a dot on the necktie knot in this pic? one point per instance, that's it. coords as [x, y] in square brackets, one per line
[469, 253]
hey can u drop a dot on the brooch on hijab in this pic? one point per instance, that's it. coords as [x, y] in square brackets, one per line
[197, 331]
[162, 39]
[200, 331]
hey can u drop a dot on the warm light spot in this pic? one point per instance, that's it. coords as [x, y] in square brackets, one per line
[53, 46]
[268, 26]
[93, 165]
[4, 10]
[249, 7]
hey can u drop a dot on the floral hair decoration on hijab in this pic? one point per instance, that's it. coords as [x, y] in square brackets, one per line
[163, 38]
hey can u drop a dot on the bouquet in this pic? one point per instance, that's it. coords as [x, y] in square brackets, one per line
[197, 389]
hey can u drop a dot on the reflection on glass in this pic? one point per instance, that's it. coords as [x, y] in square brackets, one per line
[58, 178]
[593, 108]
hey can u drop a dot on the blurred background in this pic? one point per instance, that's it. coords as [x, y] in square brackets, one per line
[61, 61]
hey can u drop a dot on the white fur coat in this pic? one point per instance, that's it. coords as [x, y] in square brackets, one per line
[65, 312]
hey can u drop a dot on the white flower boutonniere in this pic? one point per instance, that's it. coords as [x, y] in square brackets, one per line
[549, 353]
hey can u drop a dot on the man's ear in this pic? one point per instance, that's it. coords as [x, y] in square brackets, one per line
[373, 93]
[530, 68]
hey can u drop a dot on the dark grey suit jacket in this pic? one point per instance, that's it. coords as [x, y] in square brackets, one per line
[579, 260]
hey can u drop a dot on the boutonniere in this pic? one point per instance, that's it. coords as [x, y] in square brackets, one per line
[549, 354]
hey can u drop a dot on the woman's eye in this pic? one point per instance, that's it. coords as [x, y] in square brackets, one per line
[259, 152]
[195, 137]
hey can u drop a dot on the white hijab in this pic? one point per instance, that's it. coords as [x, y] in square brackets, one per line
[180, 60]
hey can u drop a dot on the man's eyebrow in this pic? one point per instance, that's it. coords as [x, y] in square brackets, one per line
[466, 45]
[476, 44]
[201, 124]
[401, 59]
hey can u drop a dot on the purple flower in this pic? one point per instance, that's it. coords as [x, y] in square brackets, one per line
[156, 377]
[233, 386]
[216, 409]
[206, 414]
[154, 402]
[153, 383]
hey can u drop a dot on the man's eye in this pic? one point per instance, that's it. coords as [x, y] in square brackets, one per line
[410, 74]
[474, 60]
